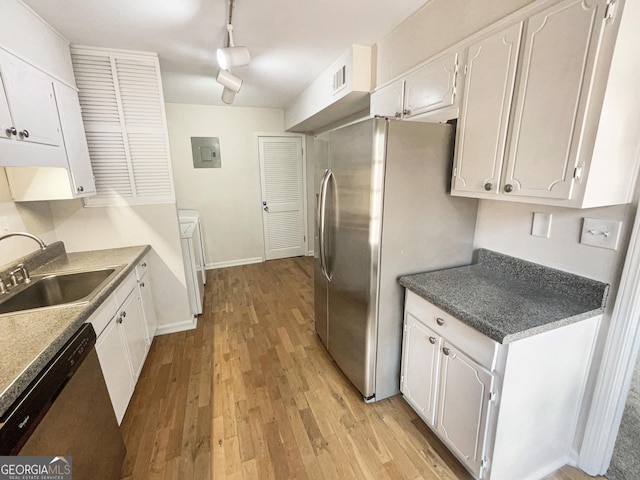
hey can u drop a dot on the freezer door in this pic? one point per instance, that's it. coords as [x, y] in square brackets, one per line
[355, 210]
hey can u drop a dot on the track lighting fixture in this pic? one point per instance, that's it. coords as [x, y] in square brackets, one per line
[230, 56]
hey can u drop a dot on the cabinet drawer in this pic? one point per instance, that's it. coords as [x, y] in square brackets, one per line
[476, 345]
[125, 288]
[103, 315]
[142, 267]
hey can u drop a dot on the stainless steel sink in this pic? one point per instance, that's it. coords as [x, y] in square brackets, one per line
[57, 289]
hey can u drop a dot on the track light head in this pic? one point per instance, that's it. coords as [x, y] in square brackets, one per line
[229, 80]
[233, 57]
[228, 96]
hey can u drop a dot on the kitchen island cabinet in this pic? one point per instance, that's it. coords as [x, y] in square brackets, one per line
[497, 365]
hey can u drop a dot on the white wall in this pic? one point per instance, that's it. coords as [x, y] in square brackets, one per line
[228, 198]
[506, 227]
[32, 217]
[94, 228]
[435, 27]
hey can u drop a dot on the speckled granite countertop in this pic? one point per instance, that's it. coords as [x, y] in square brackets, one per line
[507, 298]
[30, 339]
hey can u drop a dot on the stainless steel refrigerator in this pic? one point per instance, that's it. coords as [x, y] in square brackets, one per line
[383, 210]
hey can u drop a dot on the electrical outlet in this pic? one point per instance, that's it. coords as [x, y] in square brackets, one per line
[4, 225]
[601, 233]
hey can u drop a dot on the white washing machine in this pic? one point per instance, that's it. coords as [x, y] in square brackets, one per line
[194, 259]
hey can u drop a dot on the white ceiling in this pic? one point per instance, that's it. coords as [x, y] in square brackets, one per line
[291, 41]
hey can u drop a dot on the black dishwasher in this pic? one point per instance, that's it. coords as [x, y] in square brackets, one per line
[66, 411]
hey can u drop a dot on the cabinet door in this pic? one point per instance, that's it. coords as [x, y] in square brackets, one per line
[131, 320]
[556, 69]
[147, 307]
[5, 117]
[432, 87]
[112, 354]
[463, 406]
[388, 101]
[32, 102]
[75, 141]
[420, 364]
[484, 116]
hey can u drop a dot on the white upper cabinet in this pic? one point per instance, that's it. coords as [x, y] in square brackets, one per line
[388, 101]
[426, 94]
[432, 87]
[556, 70]
[536, 105]
[484, 115]
[28, 116]
[32, 103]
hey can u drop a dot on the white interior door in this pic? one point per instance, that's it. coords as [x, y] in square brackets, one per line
[283, 197]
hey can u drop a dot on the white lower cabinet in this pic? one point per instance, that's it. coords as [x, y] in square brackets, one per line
[506, 411]
[451, 392]
[112, 353]
[123, 341]
[463, 406]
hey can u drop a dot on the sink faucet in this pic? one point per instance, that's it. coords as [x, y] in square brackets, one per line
[43, 246]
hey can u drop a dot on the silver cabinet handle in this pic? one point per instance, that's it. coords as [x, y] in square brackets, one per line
[508, 188]
[142, 284]
[266, 208]
[119, 320]
[11, 131]
[406, 112]
[446, 351]
[80, 188]
[24, 134]
[488, 186]
[124, 314]
[440, 321]
[144, 264]
[432, 340]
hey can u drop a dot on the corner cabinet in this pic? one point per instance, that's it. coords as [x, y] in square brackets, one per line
[426, 94]
[532, 111]
[493, 404]
[42, 139]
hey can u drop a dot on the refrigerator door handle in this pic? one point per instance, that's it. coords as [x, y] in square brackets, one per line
[322, 223]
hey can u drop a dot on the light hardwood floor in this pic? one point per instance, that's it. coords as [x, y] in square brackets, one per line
[252, 393]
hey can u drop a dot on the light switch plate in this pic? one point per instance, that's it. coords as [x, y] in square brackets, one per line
[541, 225]
[601, 233]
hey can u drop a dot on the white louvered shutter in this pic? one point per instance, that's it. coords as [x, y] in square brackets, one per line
[124, 118]
[283, 196]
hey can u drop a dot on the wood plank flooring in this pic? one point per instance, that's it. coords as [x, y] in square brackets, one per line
[252, 394]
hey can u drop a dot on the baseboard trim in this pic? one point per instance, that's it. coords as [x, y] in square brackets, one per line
[177, 327]
[234, 263]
